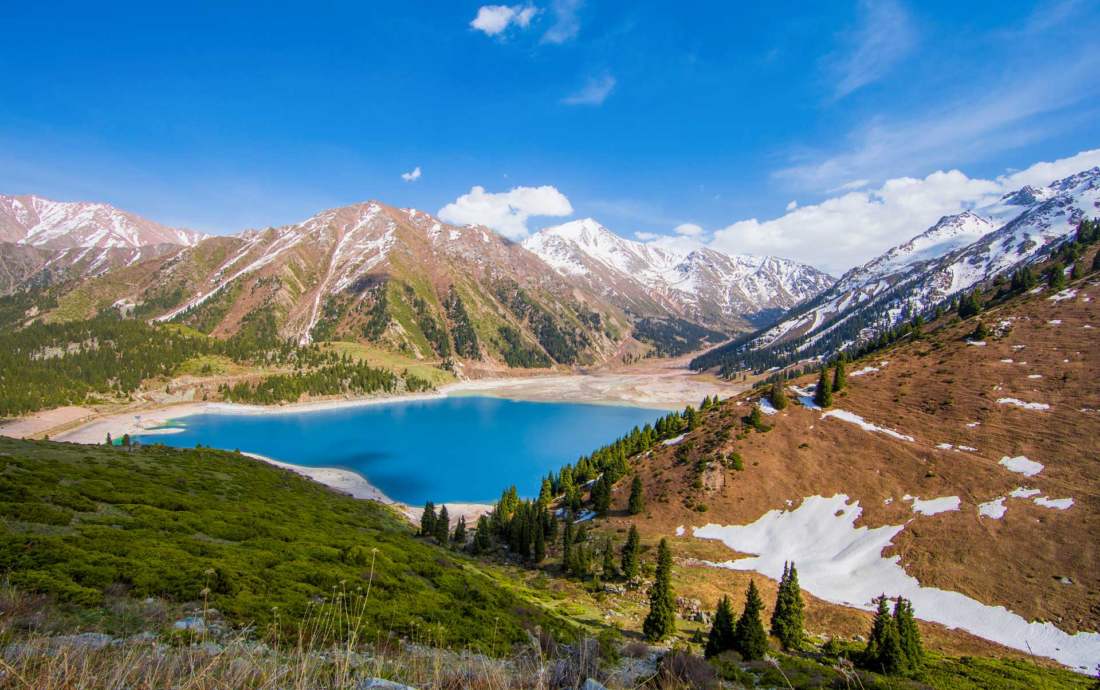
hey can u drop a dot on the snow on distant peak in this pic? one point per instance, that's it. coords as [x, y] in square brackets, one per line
[693, 281]
[40, 222]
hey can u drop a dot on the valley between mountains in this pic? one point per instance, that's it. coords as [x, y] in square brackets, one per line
[923, 427]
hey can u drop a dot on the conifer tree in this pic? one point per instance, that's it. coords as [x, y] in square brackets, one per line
[637, 497]
[630, 552]
[540, 544]
[1056, 276]
[442, 531]
[1096, 262]
[608, 569]
[778, 397]
[459, 536]
[427, 520]
[691, 417]
[981, 332]
[601, 495]
[840, 376]
[883, 652]
[823, 394]
[1078, 269]
[110, 442]
[787, 617]
[970, 304]
[908, 635]
[483, 540]
[721, 636]
[661, 621]
[750, 640]
[546, 492]
[756, 418]
[567, 547]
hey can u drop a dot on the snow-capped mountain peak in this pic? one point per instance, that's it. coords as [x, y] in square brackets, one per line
[39, 222]
[955, 254]
[697, 283]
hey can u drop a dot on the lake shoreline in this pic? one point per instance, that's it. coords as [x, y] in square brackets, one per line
[357, 486]
[665, 391]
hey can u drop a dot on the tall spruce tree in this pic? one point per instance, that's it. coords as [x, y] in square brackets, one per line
[459, 536]
[840, 375]
[787, 617]
[661, 621]
[823, 394]
[630, 552]
[608, 569]
[750, 640]
[546, 492]
[427, 520]
[721, 636]
[483, 537]
[1056, 276]
[601, 495]
[908, 635]
[442, 527]
[883, 652]
[778, 397]
[637, 497]
[540, 543]
[567, 546]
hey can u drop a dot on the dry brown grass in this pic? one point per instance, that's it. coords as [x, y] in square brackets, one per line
[326, 650]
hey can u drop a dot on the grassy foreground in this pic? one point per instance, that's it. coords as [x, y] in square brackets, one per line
[257, 543]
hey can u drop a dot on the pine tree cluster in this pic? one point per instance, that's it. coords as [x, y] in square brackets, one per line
[894, 644]
[787, 617]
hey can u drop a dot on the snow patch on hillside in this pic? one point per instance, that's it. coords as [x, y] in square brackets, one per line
[853, 418]
[1024, 405]
[933, 506]
[843, 564]
[1022, 465]
[995, 509]
[1056, 503]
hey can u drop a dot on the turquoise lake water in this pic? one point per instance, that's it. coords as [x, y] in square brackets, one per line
[455, 449]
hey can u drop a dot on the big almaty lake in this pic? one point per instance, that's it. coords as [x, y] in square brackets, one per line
[453, 449]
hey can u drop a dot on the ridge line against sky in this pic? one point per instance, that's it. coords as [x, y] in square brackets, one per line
[675, 127]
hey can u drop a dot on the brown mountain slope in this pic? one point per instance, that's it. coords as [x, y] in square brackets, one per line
[373, 273]
[1042, 563]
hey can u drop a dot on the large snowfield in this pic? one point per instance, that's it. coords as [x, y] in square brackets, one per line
[843, 564]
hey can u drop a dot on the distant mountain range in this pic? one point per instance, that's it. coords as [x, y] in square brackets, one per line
[397, 277]
[699, 285]
[957, 253]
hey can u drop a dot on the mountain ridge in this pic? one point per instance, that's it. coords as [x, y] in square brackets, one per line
[698, 284]
[914, 277]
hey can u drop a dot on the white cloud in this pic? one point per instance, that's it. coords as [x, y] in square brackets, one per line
[850, 229]
[850, 186]
[792, 205]
[594, 92]
[411, 176]
[566, 24]
[1043, 173]
[495, 19]
[688, 230]
[646, 236]
[884, 36]
[506, 212]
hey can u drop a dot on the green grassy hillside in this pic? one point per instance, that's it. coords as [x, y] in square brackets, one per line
[79, 522]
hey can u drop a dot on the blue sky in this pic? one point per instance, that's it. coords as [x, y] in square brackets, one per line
[645, 115]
